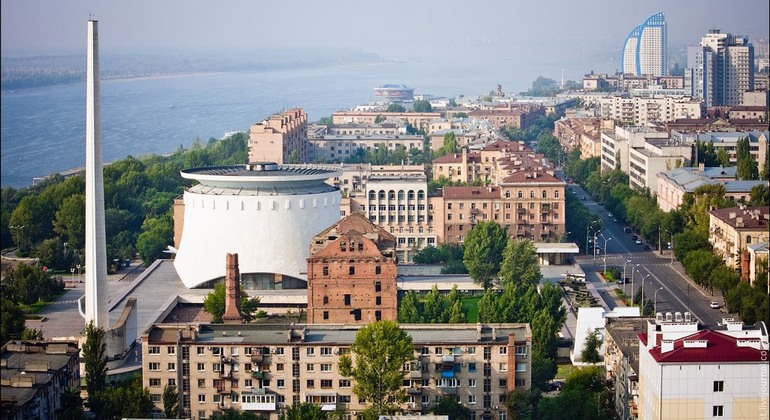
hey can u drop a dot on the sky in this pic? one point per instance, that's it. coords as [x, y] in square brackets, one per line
[393, 29]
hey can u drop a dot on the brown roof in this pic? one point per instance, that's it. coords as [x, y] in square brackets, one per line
[752, 218]
[531, 176]
[498, 145]
[354, 222]
[471, 192]
[472, 157]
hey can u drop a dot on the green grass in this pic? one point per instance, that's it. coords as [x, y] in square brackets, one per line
[38, 306]
[564, 370]
[471, 307]
[624, 297]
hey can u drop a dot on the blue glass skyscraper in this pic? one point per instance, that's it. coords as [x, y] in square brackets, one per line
[645, 49]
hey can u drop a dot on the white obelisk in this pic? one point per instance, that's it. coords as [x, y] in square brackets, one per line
[96, 255]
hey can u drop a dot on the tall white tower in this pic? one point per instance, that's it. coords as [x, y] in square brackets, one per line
[96, 254]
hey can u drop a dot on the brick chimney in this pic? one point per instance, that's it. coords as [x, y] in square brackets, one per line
[232, 313]
[511, 377]
[745, 264]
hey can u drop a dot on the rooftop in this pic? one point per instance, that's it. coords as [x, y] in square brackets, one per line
[706, 346]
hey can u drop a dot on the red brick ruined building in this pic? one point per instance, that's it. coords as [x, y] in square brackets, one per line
[351, 274]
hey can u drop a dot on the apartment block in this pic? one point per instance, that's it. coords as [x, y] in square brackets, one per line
[674, 184]
[34, 374]
[570, 131]
[720, 69]
[686, 372]
[339, 147]
[419, 120]
[712, 124]
[621, 362]
[351, 274]
[655, 156]
[281, 138]
[758, 143]
[641, 111]
[265, 368]
[616, 145]
[512, 115]
[732, 229]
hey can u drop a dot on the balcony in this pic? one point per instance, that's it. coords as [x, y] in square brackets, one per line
[222, 390]
[414, 406]
[259, 374]
[415, 374]
[414, 390]
[448, 390]
[448, 358]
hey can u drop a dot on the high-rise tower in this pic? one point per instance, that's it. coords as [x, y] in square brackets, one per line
[96, 297]
[720, 69]
[645, 50]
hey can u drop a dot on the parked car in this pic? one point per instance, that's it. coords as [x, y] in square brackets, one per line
[609, 214]
[616, 220]
[638, 241]
[714, 304]
[627, 229]
[583, 198]
[555, 385]
[635, 237]
[623, 280]
[646, 247]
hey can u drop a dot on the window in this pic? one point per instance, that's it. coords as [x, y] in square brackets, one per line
[326, 351]
[326, 270]
[311, 351]
[201, 367]
[471, 399]
[310, 367]
[171, 350]
[326, 367]
[217, 367]
[438, 350]
[377, 284]
[503, 383]
[326, 314]
[279, 367]
[172, 382]
[520, 383]
[347, 299]
[247, 351]
[216, 398]
[280, 383]
[503, 367]
[326, 383]
[521, 350]
[471, 367]
[378, 300]
[153, 350]
[351, 270]
[472, 383]
[171, 367]
[155, 398]
[247, 367]
[154, 382]
[248, 383]
[344, 383]
[719, 386]
[521, 367]
[154, 366]
[503, 350]
[201, 351]
[311, 383]
[472, 350]
[201, 398]
[718, 410]
[201, 383]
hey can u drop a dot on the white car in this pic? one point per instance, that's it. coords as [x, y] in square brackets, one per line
[638, 241]
[714, 304]
[609, 214]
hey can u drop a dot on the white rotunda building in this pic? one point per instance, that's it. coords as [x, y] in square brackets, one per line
[265, 212]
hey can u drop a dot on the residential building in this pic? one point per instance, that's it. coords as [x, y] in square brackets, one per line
[720, 69]
[520, 116]
[34, 375]
[464, 207]
[732, 229]
[674, 184]
[640, 111]
[689, 373]
[570, 131]
[281, 138]
[621, 362]
[590, 320]
[758, 259]
[419, 120]
[645, 49]
[264, 368]
[616, 145]
[702, 125]
[728, 140]
[655, 156]
[745, 112]
[351, 274]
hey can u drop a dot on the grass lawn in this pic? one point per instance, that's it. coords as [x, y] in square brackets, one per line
[471, 306]
[564, 370]
[38, 306]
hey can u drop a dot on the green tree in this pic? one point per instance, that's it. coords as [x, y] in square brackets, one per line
[522, 403]
[484, 248]
[409, 308]
[488, 307]
[233, 414]
[434, 307]
[127, 399]
[393, 107]
[448, 406]
[746, 165]
[760, 196]
[214, 304]
[421, 105]
[303, 411]
[520, 264]
[170, 400]
[157, 234]
[11, 321]
[449, 146]
[71, 405]
[95, 361]
[70, 220]
[51, 254]
[380, 351]
[544, 348]
[590, 353]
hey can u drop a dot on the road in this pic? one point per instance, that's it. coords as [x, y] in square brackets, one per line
[675, 291]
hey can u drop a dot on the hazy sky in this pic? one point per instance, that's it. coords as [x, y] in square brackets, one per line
[393, 29]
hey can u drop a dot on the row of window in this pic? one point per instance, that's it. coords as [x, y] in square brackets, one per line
[327, 351]
[391, 195]
[393, 207]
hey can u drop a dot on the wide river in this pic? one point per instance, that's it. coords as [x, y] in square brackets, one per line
[43, 129]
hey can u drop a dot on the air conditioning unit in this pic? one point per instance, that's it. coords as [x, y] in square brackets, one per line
[336, 352]
[273, 351]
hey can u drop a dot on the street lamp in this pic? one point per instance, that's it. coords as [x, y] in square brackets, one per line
[19, 236]
[672, 246]
[605, 251]
[591, 228]
[655, 300]
[632, 282]
[641, 301]
[625, 262]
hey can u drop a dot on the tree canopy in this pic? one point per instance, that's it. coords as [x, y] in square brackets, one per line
[214, 304]
[484, 246]
[380, 350]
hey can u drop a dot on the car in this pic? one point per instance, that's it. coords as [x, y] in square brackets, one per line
[583, 198]
[555, 385]
[609, 214]
[714, 304]
[646, 247]
[634, 237]
[627, 230]
[616, 220]
[638, 241]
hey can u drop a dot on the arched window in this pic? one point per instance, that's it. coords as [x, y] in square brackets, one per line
[748, 239]
[391, 195]
[400, 194]
[532, 194]
[545, 194]
[372, 195]
[421, 195]
[326, 300]
[521, 194]
[410, 195]
[381, 194]
[507, 194]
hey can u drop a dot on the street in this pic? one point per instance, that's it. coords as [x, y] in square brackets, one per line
[675, 291]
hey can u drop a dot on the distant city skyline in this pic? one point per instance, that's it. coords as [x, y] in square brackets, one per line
[398, 30]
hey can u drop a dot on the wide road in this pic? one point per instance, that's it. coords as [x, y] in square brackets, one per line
[675, 291]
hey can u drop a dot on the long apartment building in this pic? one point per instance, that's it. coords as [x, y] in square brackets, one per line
[617, 145]
[570, 132]
[758, 143]
[280, 138]
[265, 368]
[514, 115]
[674, 184]
[640, 111]
[419, 120]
